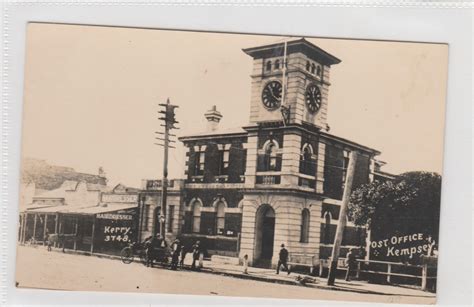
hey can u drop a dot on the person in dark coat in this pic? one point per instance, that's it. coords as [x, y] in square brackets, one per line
[176, 246]
[283, 259]
[196, 253]
[152, 245]
[183, 256]
[351, 262]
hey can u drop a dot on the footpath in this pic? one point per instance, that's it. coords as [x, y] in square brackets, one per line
[269, 275]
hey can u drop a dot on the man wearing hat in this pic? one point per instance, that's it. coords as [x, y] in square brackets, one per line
[196, 253]
[351, 262]
[176, 247]
[283, 259]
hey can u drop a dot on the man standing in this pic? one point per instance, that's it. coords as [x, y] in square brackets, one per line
[196, 253]
[351, 262]
[283, 259]
[152, 247]
[183, 256]
[176, 246]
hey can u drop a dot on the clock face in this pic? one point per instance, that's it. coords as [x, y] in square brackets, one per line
[313, 98]
[271, 95]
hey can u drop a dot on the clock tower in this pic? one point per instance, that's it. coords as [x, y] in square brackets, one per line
[300, 86]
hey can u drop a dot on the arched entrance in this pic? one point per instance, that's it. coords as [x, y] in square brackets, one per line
[265, 234]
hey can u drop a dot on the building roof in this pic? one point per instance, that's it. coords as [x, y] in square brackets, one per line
[349, 142]
[299, 45]
[70, 185]
[226, 132]
[237, 132]
[57, 193]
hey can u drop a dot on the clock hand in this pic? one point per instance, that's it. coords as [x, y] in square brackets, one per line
[271, 91]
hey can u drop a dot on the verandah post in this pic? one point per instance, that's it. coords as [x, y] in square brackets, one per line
[34, 227]
[45, 228]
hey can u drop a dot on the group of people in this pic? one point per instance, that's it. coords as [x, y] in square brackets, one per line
[179, 252]
[156, 248]
[350, 261]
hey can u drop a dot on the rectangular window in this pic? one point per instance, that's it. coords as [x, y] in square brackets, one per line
[233, 224]
[200, 152]
[208, 223]
[170, 218]
[345, 163]
[224, 154]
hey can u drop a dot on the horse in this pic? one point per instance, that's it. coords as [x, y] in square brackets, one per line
[62, 239]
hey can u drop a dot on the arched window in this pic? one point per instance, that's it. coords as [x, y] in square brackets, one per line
[318, 71]
[313, 68]
[269, 65]
[308, 65]
[307, 163]
[277, 64]
[271, 153]
[220, 225]
[304, 238]
[196, 217]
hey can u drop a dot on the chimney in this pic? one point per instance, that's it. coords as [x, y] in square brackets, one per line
[213, 117]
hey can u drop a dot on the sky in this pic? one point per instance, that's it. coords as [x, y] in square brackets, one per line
[91, 95]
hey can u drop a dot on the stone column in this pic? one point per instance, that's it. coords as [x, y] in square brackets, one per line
[290, 160]
[251, 164]
[247, 239]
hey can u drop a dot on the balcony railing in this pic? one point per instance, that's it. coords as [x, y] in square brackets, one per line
[305, 182]
[268, 179]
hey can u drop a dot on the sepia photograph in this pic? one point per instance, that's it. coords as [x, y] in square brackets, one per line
[230, 164]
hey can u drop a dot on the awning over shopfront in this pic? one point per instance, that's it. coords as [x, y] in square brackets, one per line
[65, 209]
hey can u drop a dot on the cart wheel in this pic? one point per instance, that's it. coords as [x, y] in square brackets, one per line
[126, 255]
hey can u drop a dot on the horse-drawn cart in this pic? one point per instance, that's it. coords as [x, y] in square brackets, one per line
[143, 250]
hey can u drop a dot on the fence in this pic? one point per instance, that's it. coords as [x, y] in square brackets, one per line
[389, 270]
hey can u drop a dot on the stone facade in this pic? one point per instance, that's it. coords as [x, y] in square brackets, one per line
[249, 190]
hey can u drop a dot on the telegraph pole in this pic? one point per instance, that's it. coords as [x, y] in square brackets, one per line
[169, 123]
[341, 224]
[285, 109]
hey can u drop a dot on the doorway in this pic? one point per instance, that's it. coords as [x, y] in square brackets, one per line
[265, 235]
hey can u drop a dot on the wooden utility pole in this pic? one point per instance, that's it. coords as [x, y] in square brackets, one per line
[285, 109]
[170, 121]
[164, 182]
[341, 224]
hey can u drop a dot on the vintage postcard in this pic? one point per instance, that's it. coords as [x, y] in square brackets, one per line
[230, 164]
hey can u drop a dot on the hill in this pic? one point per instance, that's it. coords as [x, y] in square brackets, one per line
[50, 177]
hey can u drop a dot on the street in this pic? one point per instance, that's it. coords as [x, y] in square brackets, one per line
[37, 268]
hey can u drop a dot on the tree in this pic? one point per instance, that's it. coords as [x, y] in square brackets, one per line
[408, 204]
